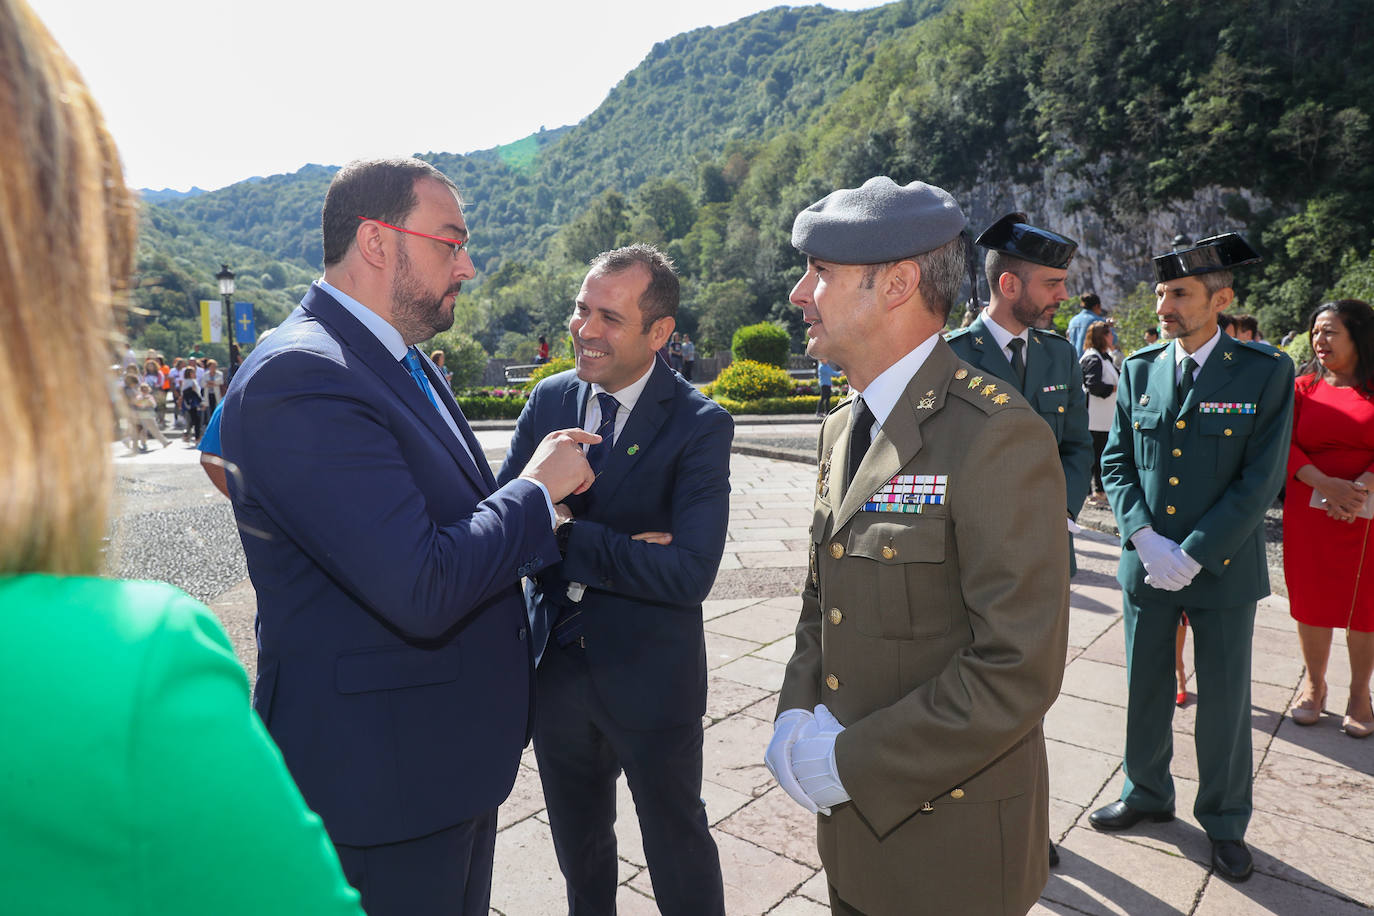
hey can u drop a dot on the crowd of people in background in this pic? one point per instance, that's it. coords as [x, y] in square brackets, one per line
[164, 398]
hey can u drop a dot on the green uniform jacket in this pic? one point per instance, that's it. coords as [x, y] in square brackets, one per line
[1201, 473]
[1054, 387]
[134, 776]
[938, 640]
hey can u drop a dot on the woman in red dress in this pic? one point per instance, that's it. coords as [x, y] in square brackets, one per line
[1328, 559]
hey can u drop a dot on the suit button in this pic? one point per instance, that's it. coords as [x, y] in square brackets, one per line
[832, 682]
[1178, 453]
[1179, 424]
[1173, 481]
[889, 553]
[1226, 562]
[1061, 408]
[835, 616]
[1170, 509]
[1226, 432]
[1136, 424]
[836, 549]
[957, 793]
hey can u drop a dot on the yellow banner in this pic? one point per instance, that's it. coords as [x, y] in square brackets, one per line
[211, 321]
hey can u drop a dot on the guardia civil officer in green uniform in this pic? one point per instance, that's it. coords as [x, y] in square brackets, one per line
[1196, 454]
[930, 643]
[1026, 269]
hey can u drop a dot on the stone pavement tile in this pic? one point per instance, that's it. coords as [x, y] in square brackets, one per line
[757, 672]
[1333, 797]
[1273, 612]
[1087, 627]
[791, 603]
[721, 650]
[1272, 663]
[738, 515]
[750, 546]
[1263, 894]
[1101, 874]
[1063, 815]
[776, 532]
[772, 520]
[525, 800]
[787, 559]
[761, 624]
[733, 755]
[730, 561]
[1313, 857]
[1110, 647]
[816, 888]
[800, 906]
[1087, 723]
[721, 802]
[1324, 742]
[1077, 774]
[630, 902]
[629, 842]
[712, 608]
[779, 651]
[525, 878]
[725, 697]
[1091, 680]
[778, 824]
[765, 710]
[756, 880]
[1102, 599]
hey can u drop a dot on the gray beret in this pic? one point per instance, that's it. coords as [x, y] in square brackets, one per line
[878, 222]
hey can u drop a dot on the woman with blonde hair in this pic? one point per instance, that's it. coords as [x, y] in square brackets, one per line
[136, 776]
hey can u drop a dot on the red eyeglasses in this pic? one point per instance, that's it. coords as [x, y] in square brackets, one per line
[456, 244]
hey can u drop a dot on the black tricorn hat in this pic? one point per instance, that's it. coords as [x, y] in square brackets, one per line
[1013, 235]
[1220, 252]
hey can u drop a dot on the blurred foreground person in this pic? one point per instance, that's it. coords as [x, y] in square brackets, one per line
[134, 777]
[1328, 561]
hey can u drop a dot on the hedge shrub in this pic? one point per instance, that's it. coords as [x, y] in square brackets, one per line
[792, 405]
[482, 407]
[552, 367]
[749, 380]
[764, 342]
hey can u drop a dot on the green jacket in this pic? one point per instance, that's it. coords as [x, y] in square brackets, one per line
[1203, 472]
[134, 776]
[1054, 388]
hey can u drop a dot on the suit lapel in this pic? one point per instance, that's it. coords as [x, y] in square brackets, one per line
[990, 356]
[1216, 373]
[1037, 367]
[899, 438]
[640, 429]
[436, 379]
[1160, 386]
[365, 345]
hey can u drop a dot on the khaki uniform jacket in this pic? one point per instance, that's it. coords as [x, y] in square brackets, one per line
[938, 639]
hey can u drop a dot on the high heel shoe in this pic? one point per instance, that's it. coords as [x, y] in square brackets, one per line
[1354, 727]
[1305, 712]
[1181, 699]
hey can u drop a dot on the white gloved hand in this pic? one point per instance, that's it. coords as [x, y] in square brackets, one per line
[778, 757]
[813, 761]
[1187, 565]
[1164, 569]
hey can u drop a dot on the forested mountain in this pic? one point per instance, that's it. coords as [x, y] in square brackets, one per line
[1118, 121]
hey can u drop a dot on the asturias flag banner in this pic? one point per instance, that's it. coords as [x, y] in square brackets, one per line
[245, 331]
[211, 321]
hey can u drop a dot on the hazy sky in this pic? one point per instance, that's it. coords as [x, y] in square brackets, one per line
[209, 94]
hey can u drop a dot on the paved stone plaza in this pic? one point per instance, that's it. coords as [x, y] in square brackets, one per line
[1312, 833]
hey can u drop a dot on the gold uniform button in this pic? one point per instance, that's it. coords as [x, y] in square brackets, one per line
[1178, 453]
[1173, 481]
[961, 374]
[1061, 408]
[836, 616]
[1179, 424]
[957, 793]
[1170, 509]
[1226, 562]
[1226, 432]
[836, 549]
[889, 553]
[1136, 424]
[832, 682]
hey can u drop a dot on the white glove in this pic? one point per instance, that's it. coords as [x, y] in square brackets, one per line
[813, 761]
[1165, 569]
[778, 757]
[1187, 564]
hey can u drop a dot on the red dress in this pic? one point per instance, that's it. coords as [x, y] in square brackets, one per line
[1329, 565]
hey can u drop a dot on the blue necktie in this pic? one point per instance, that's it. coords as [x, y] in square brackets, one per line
[597, 454]
[417, 372]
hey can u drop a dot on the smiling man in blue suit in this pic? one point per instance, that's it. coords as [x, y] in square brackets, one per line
[394, 662]
[622, 678]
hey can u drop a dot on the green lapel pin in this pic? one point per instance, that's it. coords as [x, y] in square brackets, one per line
[632, 449]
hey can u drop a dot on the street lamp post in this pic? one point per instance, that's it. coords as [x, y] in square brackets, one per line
[226, 294]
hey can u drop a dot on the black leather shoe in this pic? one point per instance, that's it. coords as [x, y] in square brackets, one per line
[1121, 816]
[1232, 860]
[1054, 856]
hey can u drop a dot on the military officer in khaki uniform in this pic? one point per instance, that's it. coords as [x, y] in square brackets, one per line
[1197, 451]
[934, 619]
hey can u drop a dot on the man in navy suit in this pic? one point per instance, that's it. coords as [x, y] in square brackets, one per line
[394, 662]
[622, 678]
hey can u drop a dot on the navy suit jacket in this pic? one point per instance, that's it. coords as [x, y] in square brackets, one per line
[394, 668]
[669, 470]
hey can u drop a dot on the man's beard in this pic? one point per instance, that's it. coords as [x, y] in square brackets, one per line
[418, 313]
[1026, 313]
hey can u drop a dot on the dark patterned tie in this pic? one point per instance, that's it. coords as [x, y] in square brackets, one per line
[1185, 381]
[859, 436]
[597, 454]
[1018, 361]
